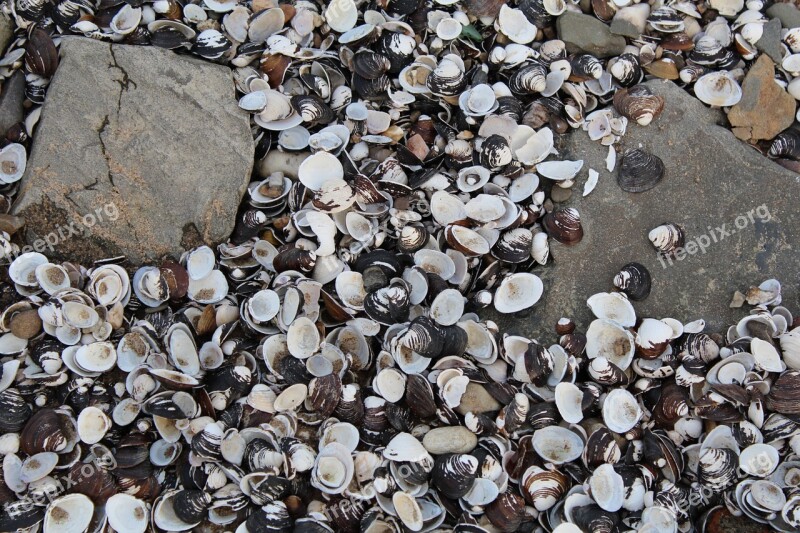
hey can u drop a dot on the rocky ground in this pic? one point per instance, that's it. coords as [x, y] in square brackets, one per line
[140, 156]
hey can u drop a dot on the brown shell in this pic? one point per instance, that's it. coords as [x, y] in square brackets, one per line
[41, 56]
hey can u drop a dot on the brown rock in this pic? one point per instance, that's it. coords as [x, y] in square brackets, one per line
[765, 109]
[10, 223]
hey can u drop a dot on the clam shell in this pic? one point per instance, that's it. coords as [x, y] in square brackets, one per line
[640, 171]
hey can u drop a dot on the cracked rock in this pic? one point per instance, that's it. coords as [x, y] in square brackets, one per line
[139, 152]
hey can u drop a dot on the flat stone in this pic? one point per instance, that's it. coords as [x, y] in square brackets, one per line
[144, 152]
[770, 41]
[455, 439]
[712, 183]
[787, 13]
[584, 33]
[765, 109]
[12, 98]
[630, 21]
[477, 400]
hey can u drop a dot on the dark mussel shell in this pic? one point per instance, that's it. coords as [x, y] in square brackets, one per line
[634, 280]
[640, 171]
[786, 145]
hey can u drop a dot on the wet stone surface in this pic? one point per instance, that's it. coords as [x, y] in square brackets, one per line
[148, 144]
[712, 183]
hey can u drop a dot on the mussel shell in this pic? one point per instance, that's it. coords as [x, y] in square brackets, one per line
[634, 280]
[564, 225]
[787, 145]
[640, 171]
[454, 474]
[41, 55]
[529, 79]
[370, 65]
[313, 109]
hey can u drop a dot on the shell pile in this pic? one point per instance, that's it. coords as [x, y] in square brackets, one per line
[182, 398]
[327, 369]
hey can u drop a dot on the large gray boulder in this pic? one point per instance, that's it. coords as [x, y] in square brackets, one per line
[141, 151]
[737, 207]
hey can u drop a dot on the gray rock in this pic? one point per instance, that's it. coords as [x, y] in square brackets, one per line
[584, 33]
[788, 14]
[713, 185]
[150, 145]
[12, 98]
[6, 31]
[454, 439]
[770, 41]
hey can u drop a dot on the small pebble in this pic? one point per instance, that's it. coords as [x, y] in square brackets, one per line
[455, 439]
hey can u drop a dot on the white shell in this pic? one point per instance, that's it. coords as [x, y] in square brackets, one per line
[517, 292]
[514, 24]
[127, 513]
[621, 411]
[607, 488]
[71, 513]
[718, 89]
[568, 401]
[613, 306]
[557, 445]
[13, 160]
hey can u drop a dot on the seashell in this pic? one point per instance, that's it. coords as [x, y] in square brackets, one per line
[667, 238]
[210, 44]
[341, 15]
[13, 161]
[529, 79]
[621, 412]
[717, 467]
[559, 170]
[312, 109]
[454, 474]
[127, 513]
[640, 171]
[586, 67]
[517, 292]
[557, 445]
[627, 71]
[638, 103]
[786, 144]
[652, 338]
[564, 225]
[448, 78]
[72, 512]
[543, 488]
[634, 280]
[718, 89]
